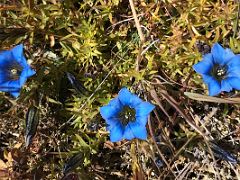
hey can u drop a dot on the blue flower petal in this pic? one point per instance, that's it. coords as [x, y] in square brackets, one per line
[27, 72]
[128, 99]
[207, 78]
[9, 89]
[214, 88]
[234, 82]
[111, 110]
[17, 53]
[5, 58]
[234, 72]
[15, 93]
[220, 55]
[204, 66]
[235, 61]
[142, 120]
[3, 76]
[10, 85]
[111, 122]
[135, 130]
[128, 134]
[225, 85]
[8, 60]
[144, 108]
[234, 67]
[116, 132]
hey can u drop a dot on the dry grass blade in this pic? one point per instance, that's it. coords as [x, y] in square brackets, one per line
[158, 150]
[8, 7]
[176, 154]
[200, 97]
[184, 171]
[207, 142]
[165, 136]
[189, 120]
[140, 33]
[157, 100]
[138, 173]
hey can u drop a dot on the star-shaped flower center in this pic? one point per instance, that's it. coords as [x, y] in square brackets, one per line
[14, 71]
[127, 115]
[219, 72]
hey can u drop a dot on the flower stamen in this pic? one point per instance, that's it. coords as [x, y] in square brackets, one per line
[219, 72]
[127, 115]
[14, 71]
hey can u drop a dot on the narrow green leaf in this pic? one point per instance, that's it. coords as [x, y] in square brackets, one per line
[32, 119]
[73, 162]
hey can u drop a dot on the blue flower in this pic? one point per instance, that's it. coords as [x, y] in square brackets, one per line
[126, 116]
[14, 70]
[220, 70]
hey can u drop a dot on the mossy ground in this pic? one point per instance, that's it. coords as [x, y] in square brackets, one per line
[98, 42]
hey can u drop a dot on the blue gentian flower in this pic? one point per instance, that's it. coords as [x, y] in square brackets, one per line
[126, 116]
[14, 70]
[220, 70]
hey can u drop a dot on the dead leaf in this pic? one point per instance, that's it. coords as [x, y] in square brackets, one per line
[4, 174]
[18, 145]
[2, 165]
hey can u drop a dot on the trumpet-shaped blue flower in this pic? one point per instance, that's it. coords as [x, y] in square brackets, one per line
[126, 116]
[220, 70]
[14, 70]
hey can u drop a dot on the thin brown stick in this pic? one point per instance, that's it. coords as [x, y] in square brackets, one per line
[184, 171]
[125, 20]
[175, 155]
[155, 97]
[158, 150]
[140, 33]
[188, 119]
[164, 133]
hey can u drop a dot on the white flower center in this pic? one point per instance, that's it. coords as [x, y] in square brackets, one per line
[14, 71]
